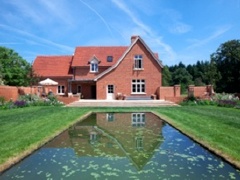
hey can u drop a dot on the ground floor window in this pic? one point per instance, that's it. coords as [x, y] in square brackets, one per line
[138, 86]
[61, 89]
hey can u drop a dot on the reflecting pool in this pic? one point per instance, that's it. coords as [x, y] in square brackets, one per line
[122, 146]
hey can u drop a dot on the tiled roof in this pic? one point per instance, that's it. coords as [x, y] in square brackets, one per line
[47, 66]
[84, 54]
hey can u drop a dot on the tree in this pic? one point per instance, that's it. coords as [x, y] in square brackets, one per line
[15, 70]
[181, 76]
[166, 77]
[1, 75]
[32, 77]
[227, 59]
[212, 74]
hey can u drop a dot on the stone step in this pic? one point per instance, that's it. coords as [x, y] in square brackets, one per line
[136, 98]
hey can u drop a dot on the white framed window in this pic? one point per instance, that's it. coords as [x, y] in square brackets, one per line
[61, 89]
[138, 62]
[138, 119]
[138, 86]
[94, 66]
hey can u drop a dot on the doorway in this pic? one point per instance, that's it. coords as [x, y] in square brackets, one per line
[93, 92]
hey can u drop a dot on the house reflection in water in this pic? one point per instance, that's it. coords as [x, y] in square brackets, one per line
[131, 135]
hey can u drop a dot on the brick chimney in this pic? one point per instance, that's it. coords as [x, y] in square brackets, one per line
[133, 38]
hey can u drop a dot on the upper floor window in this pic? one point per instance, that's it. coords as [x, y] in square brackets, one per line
[138, 62]
[109, 58]
[94, 66]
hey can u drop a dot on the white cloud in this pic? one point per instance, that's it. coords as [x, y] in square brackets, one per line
[98, 14]
[220, 31]
[36, 39]
[153, 40]
[124, 8]
[27, 10]
[174, 21]
[179, 28]
[42, 12]
[58, 9]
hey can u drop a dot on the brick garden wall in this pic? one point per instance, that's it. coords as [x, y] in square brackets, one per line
[169, 92]
[12, 92]
[200, 91]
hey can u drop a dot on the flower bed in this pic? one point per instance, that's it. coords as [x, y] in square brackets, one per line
[30, 100]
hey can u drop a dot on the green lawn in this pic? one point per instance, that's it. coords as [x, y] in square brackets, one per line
[23, 130]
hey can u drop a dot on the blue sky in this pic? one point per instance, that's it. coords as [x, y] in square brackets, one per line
[178, 30]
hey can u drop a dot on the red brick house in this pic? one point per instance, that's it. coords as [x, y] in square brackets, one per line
[104, 72]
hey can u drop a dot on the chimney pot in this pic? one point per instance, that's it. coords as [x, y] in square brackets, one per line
[133, 38]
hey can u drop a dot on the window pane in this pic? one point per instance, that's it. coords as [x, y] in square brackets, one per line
[109, 58]
[143, 88]
[134, 88]
[139, 64]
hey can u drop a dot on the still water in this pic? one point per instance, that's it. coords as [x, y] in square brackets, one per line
[122, 146]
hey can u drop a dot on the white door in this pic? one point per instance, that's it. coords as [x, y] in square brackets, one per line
[110, 92]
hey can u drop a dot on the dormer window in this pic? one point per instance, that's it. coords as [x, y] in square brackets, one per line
[138, 62]
[94, 65]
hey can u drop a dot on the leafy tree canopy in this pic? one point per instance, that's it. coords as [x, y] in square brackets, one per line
[1, 75]
[227, 59]
[166, 76]
[181, 76]
[14, 69]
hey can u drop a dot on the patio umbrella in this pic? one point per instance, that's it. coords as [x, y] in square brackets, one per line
[48, 82]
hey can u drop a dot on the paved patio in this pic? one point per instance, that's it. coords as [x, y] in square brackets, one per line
[121, 103]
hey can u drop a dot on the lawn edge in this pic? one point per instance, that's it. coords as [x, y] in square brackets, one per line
[29, 150]
[203, 143]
